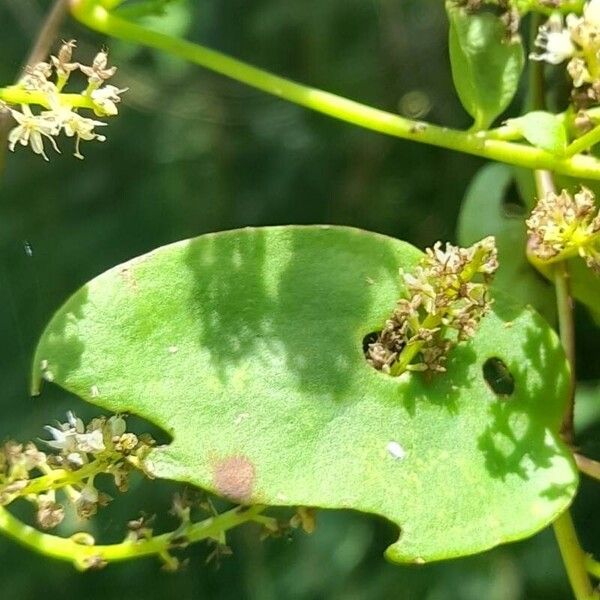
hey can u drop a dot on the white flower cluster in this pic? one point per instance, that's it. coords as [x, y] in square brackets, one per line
[75, 442]
[49, 79]
[577, 39]
[564, 225]
[444, 305]
[81, 453]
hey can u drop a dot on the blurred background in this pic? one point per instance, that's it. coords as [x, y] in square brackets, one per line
[192, 152]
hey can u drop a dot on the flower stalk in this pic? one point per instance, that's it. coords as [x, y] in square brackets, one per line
[42, 85]
[444, 304]
[83, 553]
[572, 554]
[94, 15]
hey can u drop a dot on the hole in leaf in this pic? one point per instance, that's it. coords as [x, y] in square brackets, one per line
[498, 377]
[369, 339]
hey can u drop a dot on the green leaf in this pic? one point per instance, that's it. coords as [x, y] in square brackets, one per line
[247, 348]
[488, 209]
[486, 64]
[544, 130]
[587, 406]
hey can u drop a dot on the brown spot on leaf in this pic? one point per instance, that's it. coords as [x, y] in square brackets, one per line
[128, 277]
[127, 270]
[234, 478]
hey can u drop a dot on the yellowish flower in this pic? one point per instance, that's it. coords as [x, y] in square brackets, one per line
[31, 131]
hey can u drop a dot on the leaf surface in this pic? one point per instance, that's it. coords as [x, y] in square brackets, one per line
[247, 347]
[486, 64]
[544, 130]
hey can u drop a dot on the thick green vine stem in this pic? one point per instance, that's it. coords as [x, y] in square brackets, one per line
[14, 94]
[572, 554]
[547, 8]
[575, 560]
[84, 554]
[593, 567]
[94, 14]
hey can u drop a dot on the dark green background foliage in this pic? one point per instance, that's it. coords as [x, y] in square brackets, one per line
[191, 153]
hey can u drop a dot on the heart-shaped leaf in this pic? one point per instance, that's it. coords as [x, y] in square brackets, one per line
[486, 62]
[247, 347]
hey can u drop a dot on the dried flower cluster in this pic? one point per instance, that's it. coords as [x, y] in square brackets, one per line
[444, 305]
[564, 225]
[577, 39]
[81, 453]
[46, 80]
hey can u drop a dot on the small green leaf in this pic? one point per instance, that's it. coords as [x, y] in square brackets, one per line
[485, 211]
[544, 130]
[247, 348]
[486, 63]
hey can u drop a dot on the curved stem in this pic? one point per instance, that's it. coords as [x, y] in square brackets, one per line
[59, 478]
[573, 557]
[593, 567]
[566, 6]
[572, 554]
[585, 142]
[16, 95]
[564, 303]
[588, 466]
[85, 556]
[95, 16]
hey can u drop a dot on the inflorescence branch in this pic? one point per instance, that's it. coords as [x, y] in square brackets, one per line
[447, 295]
[99, 15]
[43, 84]
[78, 456]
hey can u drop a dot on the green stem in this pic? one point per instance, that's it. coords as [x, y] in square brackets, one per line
[566, 6]
[60, 478]
[572, 554]
[14, 94]
[573, 557]
[593, 567]
[585, 142]
[95, 16]
[413, 348]
[84, 556]
[564, 304]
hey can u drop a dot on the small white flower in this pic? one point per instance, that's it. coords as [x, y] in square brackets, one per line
[91, 443]
[591, 13]
[578, 72]
[99, 71]
[75, 422]
[106, 99]
[31, 130]
[75, 459]
[74, 125]
[555, 42]
[63, 440]
[115, 426]
[82, 129]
